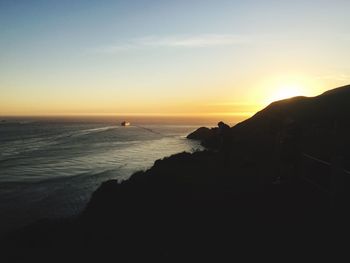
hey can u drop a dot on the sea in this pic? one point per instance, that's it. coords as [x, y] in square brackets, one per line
[50, 167]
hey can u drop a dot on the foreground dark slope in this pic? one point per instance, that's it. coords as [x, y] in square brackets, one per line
[247, 193]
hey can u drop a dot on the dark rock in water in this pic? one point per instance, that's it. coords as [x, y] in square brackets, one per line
[202, 133]
[210, 138]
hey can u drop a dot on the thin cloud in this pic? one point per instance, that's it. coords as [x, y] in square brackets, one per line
[197, 41]
[338, 77]
[192, 41]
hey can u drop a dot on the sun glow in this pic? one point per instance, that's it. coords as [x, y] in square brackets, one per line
[287, 91]
[281, 87]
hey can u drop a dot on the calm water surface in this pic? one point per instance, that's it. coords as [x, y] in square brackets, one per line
[49, 169]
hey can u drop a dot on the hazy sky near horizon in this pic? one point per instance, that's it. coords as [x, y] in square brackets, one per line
[168, 57]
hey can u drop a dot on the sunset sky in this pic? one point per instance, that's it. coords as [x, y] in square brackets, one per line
[168, 57]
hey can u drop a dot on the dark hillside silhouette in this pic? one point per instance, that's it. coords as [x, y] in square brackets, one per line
[273, 186]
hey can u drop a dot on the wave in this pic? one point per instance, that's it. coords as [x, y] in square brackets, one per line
[96, 175]
[94, 130]
[149, 129]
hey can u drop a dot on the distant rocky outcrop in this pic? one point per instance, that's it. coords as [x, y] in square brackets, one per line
[210, 137]
[201, 134]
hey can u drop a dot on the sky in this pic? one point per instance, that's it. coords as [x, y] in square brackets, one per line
[181, 58]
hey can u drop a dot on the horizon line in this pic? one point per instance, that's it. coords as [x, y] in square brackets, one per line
[131, 114]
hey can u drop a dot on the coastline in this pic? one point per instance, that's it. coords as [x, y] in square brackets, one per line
[50, 169]
[252, 186]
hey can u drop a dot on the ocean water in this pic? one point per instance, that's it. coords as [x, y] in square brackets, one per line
[49, 169]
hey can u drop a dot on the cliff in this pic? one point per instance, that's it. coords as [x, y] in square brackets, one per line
[319, 124]
[250, 191]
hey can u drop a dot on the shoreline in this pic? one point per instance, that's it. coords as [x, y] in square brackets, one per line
[249, 190]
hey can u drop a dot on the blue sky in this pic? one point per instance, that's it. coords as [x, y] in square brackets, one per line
[176, 57]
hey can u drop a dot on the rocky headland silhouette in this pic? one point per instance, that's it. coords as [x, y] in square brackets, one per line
[274, 185]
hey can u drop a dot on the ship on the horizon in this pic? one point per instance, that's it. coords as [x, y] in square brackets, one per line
[125, 123]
